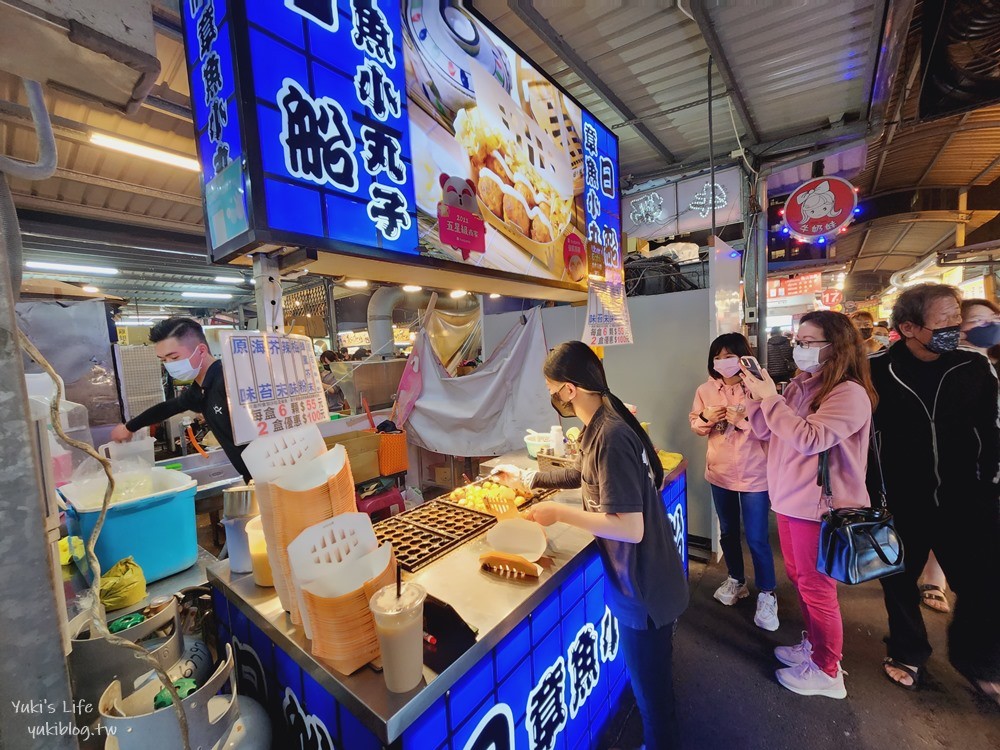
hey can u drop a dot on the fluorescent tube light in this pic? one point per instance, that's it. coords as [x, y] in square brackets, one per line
[356, 284]
[36, 265]
[145, 152]
[206, 295]
[458, 294]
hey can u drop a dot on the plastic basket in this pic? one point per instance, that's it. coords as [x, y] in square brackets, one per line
[548, 462]
[159, 531]
[393, 454]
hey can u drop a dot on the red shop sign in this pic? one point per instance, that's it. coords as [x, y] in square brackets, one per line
[805, 283]
[820, 207]
[831, 297]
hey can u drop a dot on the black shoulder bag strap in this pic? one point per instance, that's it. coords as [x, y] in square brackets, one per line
[823, 478]
[874, 453]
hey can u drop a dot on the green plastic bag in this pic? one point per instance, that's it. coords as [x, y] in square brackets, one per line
[123, 585]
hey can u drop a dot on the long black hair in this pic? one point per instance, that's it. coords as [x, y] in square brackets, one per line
[734, 343]
[575, 362]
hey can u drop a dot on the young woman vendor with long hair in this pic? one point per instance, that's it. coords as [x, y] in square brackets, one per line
[620, 477]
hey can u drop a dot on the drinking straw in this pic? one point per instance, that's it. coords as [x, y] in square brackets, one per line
[399, 581]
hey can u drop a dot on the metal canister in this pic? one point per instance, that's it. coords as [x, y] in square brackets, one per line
[240, 502]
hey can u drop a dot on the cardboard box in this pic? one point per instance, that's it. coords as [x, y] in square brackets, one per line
[442, 476]
[362, 452]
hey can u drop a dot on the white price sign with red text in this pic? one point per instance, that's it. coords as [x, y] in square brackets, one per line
[273, 383]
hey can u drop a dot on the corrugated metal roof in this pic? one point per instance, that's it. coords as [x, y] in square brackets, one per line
[896, 243]
[800, 64]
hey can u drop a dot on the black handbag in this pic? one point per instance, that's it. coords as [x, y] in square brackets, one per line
[857, 544]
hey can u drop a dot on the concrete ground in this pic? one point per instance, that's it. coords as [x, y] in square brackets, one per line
[728, 697]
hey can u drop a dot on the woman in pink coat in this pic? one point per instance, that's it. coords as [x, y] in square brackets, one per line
[736, 470]
[826, 408]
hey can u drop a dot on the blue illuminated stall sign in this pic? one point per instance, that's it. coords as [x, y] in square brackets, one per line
[329, 98]
[209, 49]
[601, 202]
[315, 129]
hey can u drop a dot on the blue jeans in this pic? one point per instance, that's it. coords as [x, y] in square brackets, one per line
[649, 660]
[755, 507]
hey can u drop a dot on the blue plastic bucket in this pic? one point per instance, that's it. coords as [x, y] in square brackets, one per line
[159, 531]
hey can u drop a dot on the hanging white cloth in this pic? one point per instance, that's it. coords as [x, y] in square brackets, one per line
[487, 412]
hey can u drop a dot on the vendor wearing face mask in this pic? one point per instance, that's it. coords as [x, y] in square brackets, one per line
[936, 428]
[183, 350]
[620, 477]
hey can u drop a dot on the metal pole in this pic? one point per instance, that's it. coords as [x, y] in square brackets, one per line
[711, 145]
[32, 662]
[331, 314]
[963, 206]
[270, 311]
[761, 258]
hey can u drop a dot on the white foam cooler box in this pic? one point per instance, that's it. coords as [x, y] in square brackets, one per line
[158, 530]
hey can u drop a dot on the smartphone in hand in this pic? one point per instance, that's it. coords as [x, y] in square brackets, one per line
[752, 366]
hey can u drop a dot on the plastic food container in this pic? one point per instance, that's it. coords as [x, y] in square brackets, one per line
[536, 443]
[159, 530]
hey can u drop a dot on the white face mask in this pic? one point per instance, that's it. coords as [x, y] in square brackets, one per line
[807, 360]
[184, 370]
[727, 367]
[883, 340]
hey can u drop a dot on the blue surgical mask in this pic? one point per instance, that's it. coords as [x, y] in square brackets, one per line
[984, 336]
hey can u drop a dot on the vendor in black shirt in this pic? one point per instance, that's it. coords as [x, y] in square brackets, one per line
[620, 476]
[181, 346]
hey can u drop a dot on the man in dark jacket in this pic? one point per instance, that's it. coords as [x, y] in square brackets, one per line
[182, 348]
[780, 364]
[938, 442]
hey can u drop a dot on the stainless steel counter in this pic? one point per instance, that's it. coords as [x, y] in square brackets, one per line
[75, 585]
[492, 605]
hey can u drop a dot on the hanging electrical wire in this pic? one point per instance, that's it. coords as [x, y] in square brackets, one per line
[11, 248]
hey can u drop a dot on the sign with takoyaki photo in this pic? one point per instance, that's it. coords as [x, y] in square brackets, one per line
[398, 129]
[483, 115]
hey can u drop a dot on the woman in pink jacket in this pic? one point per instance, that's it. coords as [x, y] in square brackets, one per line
[826, 408]
[736, 470]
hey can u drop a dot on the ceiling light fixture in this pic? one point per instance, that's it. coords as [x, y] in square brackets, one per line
[356, 284]
[410, 289]
[37, 265]
[458, 294]
[146, 152]
[494, 296]
[91, 289]
[206, 295]
[229, 280]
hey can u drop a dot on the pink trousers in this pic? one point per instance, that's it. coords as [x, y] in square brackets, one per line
[817, 592]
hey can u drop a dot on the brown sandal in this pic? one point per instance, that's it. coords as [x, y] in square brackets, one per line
[932, 597]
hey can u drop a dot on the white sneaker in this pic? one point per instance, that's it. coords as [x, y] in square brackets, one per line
[793, 656]
[767, 612]
[808, 679]
[730, 591]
